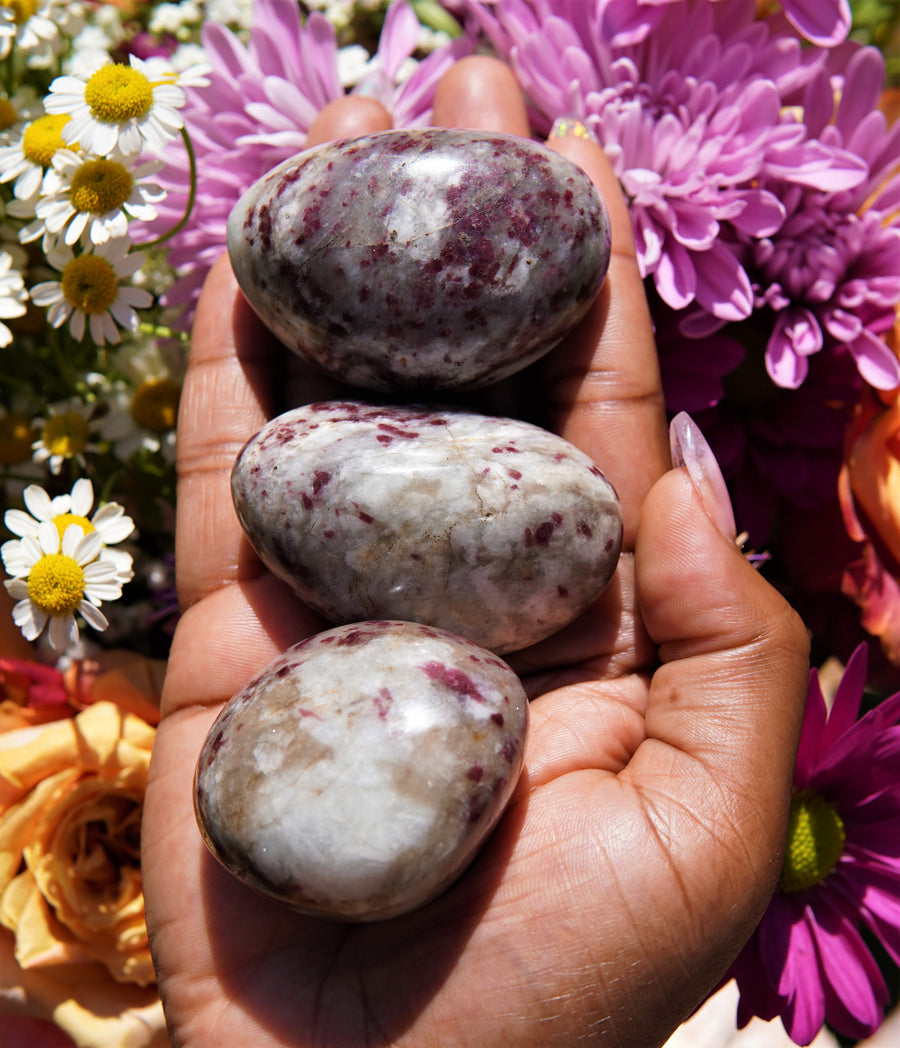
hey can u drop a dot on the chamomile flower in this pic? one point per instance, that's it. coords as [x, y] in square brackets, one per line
[95, 197]
[109, 521]
[13, 295]
[26, 160]
[64, 435]
[62, 575]
[89, 293]
[38, 25]
[143, 410]
[123, 107]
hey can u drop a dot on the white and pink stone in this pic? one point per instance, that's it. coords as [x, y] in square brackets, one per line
[360, 773]
[489, 527]
[421, 258]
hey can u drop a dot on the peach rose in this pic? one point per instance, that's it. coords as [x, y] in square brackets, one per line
[76, 950]
[869, 491]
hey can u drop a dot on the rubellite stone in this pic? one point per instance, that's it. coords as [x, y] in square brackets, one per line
[421, 257]
[489, 527]
[359, 774]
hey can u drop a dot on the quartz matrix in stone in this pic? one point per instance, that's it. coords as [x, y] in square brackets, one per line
[421, 258]
[489, 527]
[360, 773]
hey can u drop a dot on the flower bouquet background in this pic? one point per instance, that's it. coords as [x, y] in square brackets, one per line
[758, 148]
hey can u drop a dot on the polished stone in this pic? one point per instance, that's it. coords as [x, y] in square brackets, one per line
[421, 258]
[489, 527]
[361, 772]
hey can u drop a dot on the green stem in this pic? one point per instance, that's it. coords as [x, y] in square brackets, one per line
[431, 14]
[192, 194]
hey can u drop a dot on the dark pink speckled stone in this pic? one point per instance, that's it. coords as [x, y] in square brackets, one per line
[422, 257]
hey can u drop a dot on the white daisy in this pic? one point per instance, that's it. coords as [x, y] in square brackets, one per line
[109, 521]
[65, 435]
[26, 159]
[143, 409]
[62, 575]
[121, 107]
[13, 296]
[90, 293]
[95, 197]
[17, 110]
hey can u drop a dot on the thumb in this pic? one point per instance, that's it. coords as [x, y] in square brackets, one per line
[728, 697]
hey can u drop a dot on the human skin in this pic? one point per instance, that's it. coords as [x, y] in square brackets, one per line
[644, 839]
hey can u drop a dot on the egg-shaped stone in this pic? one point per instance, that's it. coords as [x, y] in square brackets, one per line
[422, 257]
[359, 774]
[490, 527]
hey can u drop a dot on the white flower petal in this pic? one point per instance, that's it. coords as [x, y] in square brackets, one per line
[20, 523]
[17, 588]
[82, 497]
[30, 619]
[85, 547]
[14, 559]
[94, 618]
[48, 537]
[112, 523]
[38, 503]
[63, 632]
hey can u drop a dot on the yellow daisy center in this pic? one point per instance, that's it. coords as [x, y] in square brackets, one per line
[22, 10]
[8, 114]
[155, 404]
[815, 842]
[99, 186]
[16, 437]
[116, 93]
[65, 519]
[89, 283]
[43, 137]
[56, 584]
[65, 434]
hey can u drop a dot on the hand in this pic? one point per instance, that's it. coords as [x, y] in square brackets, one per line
[643, 842]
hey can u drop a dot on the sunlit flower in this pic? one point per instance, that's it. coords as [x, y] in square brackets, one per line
[122, 107]
[823, 22]
[829, 275]
[257, 110]
[142, 410]
[26, 160]
[109, 521]
[90, 293]
[96, 197]
[691, 117]
[33, 27]
[64, 435]
[13, 295]
[59, 576]
[807, 961]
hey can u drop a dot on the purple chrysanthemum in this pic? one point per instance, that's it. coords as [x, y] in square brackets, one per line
[257, 110]
[823, 22]
[691, 116]
[830, 274]
[807, 961]
[777, 447]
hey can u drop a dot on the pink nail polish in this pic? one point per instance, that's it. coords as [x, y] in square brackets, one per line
[690, 450]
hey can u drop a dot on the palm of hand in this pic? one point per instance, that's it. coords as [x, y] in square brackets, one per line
[615, 870]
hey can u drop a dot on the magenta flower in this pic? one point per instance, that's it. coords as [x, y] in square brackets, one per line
[829, 274]
[823, 22]
[807, 961]
[692, 116]
[257, 110]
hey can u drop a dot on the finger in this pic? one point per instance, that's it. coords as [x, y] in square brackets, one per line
[348, 117]
[225, 400]
[235, 369]
[726, 704]
[480, 93]
[603, 381]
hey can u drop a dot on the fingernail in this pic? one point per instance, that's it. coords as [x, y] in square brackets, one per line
[690, 449]
[571, 127]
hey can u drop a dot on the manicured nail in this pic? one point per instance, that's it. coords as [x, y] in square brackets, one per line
[568, 126]
[690, 449]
